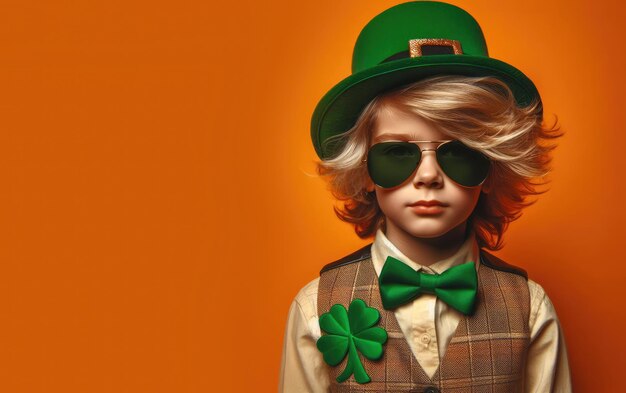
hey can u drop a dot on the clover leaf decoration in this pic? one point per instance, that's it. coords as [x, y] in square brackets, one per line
[349, 332]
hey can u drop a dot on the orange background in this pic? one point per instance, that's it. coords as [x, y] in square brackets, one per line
[157, 209]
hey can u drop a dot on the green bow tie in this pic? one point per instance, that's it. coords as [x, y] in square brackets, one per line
[456, 286]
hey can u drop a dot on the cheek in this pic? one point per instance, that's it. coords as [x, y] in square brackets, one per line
[388, 201]
[466, 199]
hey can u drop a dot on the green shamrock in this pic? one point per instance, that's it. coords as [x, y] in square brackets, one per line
[348, 332]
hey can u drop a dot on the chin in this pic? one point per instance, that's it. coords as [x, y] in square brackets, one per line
[428, 231]
[431, 230]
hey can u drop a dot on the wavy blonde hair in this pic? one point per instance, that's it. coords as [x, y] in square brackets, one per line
[482, 113]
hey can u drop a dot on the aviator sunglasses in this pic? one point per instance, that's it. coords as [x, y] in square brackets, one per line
[391, 163]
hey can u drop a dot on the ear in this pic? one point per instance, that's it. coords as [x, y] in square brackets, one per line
[369, 186]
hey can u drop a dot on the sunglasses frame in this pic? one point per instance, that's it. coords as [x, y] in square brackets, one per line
[440, 143]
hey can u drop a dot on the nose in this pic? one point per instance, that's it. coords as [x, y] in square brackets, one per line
[428, 173]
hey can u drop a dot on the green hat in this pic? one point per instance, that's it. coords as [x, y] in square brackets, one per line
[406, 43]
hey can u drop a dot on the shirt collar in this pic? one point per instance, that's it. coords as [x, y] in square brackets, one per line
[383, 247]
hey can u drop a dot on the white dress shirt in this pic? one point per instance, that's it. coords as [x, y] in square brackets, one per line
[428, 325]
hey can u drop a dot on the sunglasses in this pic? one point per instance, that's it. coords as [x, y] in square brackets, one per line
[391, 163]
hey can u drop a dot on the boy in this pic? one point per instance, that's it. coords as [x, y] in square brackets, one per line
[433, 147]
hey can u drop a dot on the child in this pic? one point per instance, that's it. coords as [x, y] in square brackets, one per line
[434, 148]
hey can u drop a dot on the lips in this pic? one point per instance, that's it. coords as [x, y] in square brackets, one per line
[428, 207]
[433, 202]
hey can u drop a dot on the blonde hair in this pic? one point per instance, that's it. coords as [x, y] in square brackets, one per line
[482, 113]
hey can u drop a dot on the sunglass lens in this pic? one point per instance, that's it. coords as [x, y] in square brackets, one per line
[465, 166]
[391, 163]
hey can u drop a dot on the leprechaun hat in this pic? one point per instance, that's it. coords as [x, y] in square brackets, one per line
[404, 44]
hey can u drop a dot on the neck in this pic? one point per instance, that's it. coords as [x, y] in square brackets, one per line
[427, 251]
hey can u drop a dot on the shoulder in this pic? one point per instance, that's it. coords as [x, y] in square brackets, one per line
[541, 306]
[359, 255]
[493, 262]
[536, 291]
[306, 299]
[302, 319]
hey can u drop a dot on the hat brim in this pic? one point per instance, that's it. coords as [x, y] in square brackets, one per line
[339, 109]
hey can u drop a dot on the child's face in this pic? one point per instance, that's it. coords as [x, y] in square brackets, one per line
[427, 183]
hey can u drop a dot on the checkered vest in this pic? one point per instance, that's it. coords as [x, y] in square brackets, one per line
[487, 352]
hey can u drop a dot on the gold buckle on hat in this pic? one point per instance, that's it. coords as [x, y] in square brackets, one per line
[416, 45]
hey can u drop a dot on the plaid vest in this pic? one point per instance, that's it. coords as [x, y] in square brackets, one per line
[487, 352]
